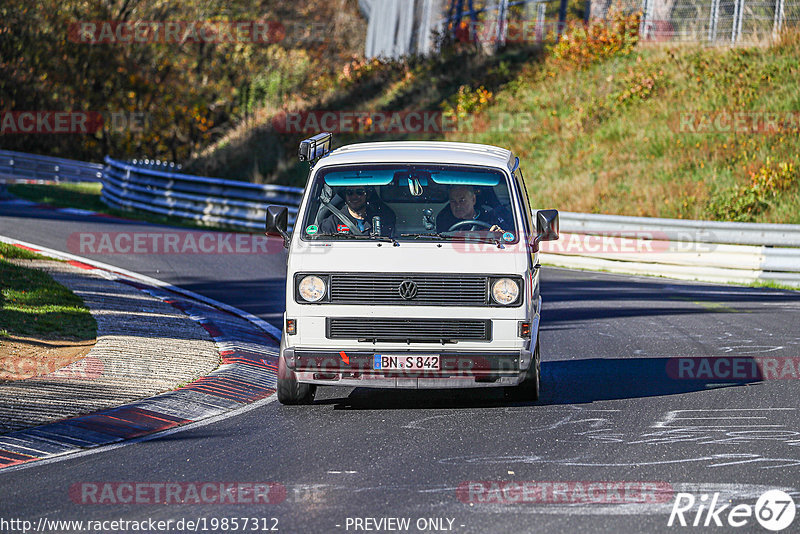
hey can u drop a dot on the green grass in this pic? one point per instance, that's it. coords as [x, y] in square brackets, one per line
[11, 252]
[596, 150]
[768, 284]
[69, 195]
[33, 304]
[87, 196]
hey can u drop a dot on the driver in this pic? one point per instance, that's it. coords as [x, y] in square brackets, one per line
[462, 208]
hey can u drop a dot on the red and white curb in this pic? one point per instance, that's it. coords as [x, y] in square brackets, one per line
[248, 347]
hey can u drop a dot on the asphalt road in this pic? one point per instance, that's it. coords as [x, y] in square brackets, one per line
[612, 409]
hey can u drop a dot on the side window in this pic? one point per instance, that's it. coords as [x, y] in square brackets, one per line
[527, 216]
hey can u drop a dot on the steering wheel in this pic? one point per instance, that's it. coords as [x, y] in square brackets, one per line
[470, 221]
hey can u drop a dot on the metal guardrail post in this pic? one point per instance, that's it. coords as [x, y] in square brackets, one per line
[540, 13]
[562, 18]
[739, 22]
[646, 26]
[3, 187]
[777, 19]
[502, 24]
[736, 25]
[712, 22]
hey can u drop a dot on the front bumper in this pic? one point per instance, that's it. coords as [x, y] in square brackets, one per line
[458, 369]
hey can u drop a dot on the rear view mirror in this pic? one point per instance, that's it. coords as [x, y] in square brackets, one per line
[546, 227]
[277, 223]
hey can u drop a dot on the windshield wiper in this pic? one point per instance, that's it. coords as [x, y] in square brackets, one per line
[363, 237]
[471, 237]
[425, 236]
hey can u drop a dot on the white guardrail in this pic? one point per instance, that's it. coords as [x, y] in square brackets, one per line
[199, 198]
[19, 167]
[683, 249]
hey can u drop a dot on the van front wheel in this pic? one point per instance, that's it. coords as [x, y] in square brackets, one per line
[290, 391]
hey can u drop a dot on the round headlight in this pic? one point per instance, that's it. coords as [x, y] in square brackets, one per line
[311, 288]
[505, 291]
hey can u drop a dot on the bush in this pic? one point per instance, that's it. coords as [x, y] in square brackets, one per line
[745, 202]
[582, 45]
[467, 102]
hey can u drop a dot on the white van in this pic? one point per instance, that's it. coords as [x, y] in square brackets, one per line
[411, 265]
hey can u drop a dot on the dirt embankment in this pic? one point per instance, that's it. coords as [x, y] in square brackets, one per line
[25, 357]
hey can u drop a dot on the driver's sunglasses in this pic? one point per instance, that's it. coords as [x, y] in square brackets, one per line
[356, 192]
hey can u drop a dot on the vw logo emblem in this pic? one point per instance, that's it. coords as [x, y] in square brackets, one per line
[408, 289]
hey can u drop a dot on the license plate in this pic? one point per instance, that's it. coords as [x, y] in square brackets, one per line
[406, 362]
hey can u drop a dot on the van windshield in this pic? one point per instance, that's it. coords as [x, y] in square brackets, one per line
[410, 201]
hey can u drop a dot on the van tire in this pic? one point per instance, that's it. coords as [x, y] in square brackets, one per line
[528, 389]
[290, 391]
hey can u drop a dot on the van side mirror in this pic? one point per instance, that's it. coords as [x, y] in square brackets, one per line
[546, 227]
[277, 222]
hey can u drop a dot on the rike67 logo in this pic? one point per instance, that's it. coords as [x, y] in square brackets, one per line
[774, 510]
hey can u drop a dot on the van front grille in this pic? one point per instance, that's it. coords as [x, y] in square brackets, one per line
[409, 330]
[431, 289]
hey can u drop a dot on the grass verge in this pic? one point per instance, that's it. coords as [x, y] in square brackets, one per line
[609, 137]
[33, 304]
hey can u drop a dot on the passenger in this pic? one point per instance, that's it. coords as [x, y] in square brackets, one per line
[361, 206]
[462, 208]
